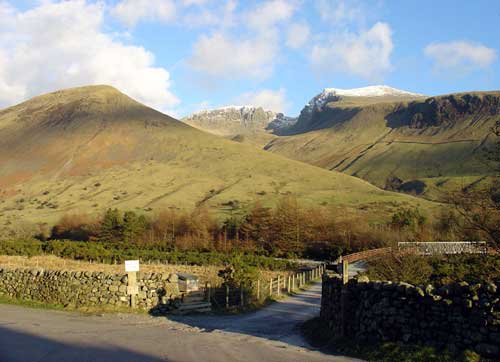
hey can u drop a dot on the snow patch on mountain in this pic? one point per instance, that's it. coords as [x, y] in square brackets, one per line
[244, 109]
[247, 117]
[371, 91]
[334, 94]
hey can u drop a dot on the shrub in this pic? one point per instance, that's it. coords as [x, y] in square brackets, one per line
[437, 270]
[408, 219]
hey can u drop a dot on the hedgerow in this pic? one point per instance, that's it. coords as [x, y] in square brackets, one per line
[109, 252]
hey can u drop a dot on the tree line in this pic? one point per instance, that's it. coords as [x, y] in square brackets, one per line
[286, 230]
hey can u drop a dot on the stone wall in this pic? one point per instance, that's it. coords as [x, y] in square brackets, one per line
[458, 316]
[85, 289]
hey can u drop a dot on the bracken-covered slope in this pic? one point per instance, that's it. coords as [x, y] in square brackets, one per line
[91, 148]
[427, 143]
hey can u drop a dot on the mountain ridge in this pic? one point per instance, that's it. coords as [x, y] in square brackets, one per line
[88, 149]
[410, 139]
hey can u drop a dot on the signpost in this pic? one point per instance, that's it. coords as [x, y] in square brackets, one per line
[132, 267]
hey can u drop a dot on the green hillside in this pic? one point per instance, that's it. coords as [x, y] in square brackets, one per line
[92, 148]
[425, 140]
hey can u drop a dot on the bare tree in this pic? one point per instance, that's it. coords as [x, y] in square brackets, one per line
[481, 209]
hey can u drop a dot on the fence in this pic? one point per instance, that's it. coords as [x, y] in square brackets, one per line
[419, 248]
[226, 297]
[445, 247]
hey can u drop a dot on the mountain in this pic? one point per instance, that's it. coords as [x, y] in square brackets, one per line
[92, 148]
[317, 110]
[231, 120]
[370, 91]
[396, 139]
[247, 124]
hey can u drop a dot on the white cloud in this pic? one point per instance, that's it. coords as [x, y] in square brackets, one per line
[297, 35]
[460, 56]
[61, 45]
[130, 12]
[222, 56]
[366, 54]
[194, 2]
[268, 99]
[249, 52]
[340, 12]
[270, 13]
[222, 15]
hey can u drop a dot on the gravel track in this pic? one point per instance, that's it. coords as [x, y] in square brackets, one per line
[270, 334]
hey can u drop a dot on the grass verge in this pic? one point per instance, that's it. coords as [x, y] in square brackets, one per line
[68, 308]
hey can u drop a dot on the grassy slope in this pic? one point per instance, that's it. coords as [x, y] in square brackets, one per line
[91, 148]
[365, 146]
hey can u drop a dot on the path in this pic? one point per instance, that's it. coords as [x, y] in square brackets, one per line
[357, 267]
[270, 334]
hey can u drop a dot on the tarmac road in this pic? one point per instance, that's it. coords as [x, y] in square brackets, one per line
[270, 334]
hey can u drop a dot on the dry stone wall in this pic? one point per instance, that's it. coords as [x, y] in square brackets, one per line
[78, 288]
[457, 316]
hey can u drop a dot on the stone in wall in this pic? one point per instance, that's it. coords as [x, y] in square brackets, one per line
[457, 316]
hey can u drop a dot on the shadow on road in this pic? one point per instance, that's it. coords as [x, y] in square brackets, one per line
[22, 347]
[280, 321]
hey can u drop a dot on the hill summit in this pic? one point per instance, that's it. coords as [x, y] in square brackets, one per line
[91, 148]
[371, 91]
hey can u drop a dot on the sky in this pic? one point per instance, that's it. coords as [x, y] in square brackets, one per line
[181, 56]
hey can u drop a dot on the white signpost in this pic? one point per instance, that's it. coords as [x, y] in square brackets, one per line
[132, 267]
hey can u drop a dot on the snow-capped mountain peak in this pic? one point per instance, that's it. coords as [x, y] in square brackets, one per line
[334, 94]
[371, 91]
[230, 108]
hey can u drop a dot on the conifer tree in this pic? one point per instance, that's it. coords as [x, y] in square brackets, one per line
[111, 226]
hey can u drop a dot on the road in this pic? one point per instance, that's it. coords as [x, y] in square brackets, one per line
[356, 267]
[270, 334]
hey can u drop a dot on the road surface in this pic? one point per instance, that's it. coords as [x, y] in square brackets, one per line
[356, 267]
[270, 334]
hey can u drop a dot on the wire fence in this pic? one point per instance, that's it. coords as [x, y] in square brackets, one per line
[226, 297]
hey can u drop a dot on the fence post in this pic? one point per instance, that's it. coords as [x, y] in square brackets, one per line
[242, 301]
[258, 290]
[289, 284]
[271, 288]
[345, 271]
[227, 296]
[279, 285]
[207, 287]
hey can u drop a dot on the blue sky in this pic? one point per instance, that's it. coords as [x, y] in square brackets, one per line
[180, 56]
